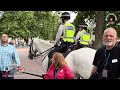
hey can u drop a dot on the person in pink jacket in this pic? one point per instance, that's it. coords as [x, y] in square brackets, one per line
[58, 68]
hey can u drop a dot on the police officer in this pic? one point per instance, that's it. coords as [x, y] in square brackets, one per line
[64, 36]
[82, 38]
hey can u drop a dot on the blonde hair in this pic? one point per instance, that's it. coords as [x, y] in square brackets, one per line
[58, 60]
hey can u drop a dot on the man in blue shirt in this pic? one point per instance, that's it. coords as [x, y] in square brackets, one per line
[8, 58]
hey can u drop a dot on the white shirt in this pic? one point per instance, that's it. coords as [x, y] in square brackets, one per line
[61, 30]
[77, 37]
[59, 33]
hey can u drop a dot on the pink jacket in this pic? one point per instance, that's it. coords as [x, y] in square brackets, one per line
[62, 73]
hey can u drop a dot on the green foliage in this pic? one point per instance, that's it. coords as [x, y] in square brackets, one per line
[81, 16]
[116, 24]
[15, 23]
[44, 24]
[84, 14]
[26, 24]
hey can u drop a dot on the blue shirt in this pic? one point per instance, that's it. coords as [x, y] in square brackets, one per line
[8, 57]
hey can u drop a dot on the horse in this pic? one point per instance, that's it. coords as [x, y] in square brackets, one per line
[79, 61]
[39, 45]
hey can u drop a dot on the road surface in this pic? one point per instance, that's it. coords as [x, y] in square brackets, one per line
[30, 66]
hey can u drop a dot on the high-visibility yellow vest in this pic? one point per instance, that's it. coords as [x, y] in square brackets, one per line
[84, 38]
[69, 32]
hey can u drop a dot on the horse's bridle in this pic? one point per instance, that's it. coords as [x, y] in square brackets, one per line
[31, 50]
[32, 53]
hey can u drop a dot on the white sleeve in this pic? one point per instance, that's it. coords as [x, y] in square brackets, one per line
[77, 37]
[59, 33]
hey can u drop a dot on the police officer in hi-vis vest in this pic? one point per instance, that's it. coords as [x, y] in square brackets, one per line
[64, 36]
[82, 38]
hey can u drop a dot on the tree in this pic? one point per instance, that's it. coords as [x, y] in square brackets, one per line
[99, 28]
[25, 24]
[15, 23]
[83, 15]
[46, 23]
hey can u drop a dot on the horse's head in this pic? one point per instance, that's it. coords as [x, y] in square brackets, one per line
[32, 50]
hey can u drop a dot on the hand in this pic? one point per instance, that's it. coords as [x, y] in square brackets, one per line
[20, 69]
[44, 74]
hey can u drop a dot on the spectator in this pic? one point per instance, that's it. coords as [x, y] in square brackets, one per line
[107, 59]
[58, 69]
[8, 57]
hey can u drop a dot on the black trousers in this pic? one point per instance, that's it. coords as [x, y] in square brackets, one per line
[78, 46]
[62, 48]
[56, 49]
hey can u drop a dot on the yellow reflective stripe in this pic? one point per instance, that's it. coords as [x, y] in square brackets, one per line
[69, 33]
[84, 38]
[68, 40]
[84, 43]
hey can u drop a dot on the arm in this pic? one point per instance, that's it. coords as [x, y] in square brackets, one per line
[77, 37]
[68, 73]
[59, 33]
[47, 75]
[94, 70]
[95, 61]
[16, 58]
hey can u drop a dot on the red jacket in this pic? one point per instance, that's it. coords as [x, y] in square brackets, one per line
[62, 73]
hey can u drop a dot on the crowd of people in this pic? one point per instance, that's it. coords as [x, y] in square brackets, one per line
[106, 61]
[65, 36]
[18, 42]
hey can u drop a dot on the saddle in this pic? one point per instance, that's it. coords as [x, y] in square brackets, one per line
[70, 48]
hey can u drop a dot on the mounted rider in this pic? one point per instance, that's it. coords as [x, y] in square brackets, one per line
[82, 38]
[64, 36]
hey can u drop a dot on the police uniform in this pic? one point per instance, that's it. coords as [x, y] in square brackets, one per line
[108, 63]
[65, 34]
[82, 39]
